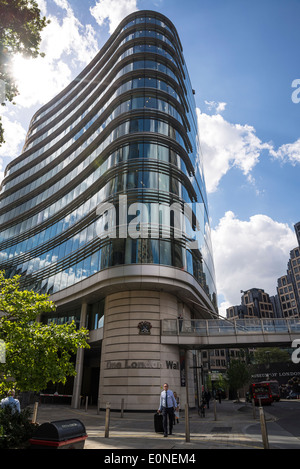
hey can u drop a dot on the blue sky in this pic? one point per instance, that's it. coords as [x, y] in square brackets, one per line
[242, 58]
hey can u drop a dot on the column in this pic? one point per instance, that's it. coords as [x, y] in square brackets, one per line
[79, 363]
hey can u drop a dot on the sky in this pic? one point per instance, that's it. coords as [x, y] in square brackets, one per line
[243, 62]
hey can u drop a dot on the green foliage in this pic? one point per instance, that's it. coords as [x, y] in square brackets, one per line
[219, 383]
[36, 353]
[20, 33]
[265, 356]
[295, 384]
[15, 428]
[238, 374]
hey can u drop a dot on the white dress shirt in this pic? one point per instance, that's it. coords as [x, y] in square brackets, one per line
[13, 403]
[171, 400]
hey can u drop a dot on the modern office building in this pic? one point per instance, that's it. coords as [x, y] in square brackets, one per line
[285, 304]
[288, 286]
[256, 303]
[106, 211]
[297, 231]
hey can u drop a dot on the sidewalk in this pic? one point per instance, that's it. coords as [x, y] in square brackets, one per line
[233, 428]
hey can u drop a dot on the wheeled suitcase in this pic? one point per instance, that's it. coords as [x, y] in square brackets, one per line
[158, 423]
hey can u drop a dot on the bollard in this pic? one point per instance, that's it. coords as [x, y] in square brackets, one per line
[86, 403]
[215, 409]
[122, 408]
[187, 424]
[107, 418]
[253, 408]
[263, 428]
[98, 406]
[35, 409]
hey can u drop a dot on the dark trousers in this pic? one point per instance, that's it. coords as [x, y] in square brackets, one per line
[168, 412]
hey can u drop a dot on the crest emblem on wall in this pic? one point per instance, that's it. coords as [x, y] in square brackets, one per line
[145, 327]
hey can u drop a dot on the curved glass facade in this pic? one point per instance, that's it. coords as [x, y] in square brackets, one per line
[124, 128]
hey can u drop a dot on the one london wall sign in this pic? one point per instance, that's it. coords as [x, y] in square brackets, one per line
[142, 364]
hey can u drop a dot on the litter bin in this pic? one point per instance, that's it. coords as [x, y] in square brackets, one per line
[61, 434]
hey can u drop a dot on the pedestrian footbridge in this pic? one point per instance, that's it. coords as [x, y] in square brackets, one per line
[223, 333]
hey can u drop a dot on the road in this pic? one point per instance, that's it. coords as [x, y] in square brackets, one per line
[283, 428]
[287, 414]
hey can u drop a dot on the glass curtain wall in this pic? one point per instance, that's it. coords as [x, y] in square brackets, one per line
[125, 129]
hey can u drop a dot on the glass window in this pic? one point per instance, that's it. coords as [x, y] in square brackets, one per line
[134, 125]
[105, 256]
[177, 256]
[189, 261]
[138, 82]
[174, 185]
[165, 252]
[152, 180]
[96, 315]
[95, 263]
[163, 153]
[163, 182]
[154, 250]
[134, 150]
[130, 251]
[150, 150]
[118, 251]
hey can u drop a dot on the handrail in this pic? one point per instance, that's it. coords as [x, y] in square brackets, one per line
[212, 327]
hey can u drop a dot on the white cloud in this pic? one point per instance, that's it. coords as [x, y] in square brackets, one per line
[290, 152]
[39, 80]
[42, 4]
[69, 37]
[14, 139]
[225, 145]
[66, 43]
[112, 12]
[249, 254]
[216, 106]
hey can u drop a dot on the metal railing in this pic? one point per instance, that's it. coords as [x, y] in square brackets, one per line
[213, 327]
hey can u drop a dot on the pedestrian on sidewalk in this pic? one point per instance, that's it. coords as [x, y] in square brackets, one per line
[167, 405]
[10, 401]
[176, 413]
[207, 398]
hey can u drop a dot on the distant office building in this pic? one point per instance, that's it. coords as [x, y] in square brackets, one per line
[297, 231]
[91, 213]
[236, 312]
[285, 304]
[276, 306]
[288, 287]
[255, 304]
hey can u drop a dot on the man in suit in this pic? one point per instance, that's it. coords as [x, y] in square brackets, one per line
[167, 405]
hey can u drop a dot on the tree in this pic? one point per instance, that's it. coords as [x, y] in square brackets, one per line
[20, 32]
[35, 353]
[295, 384]
[238, 374]
[265, 356]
